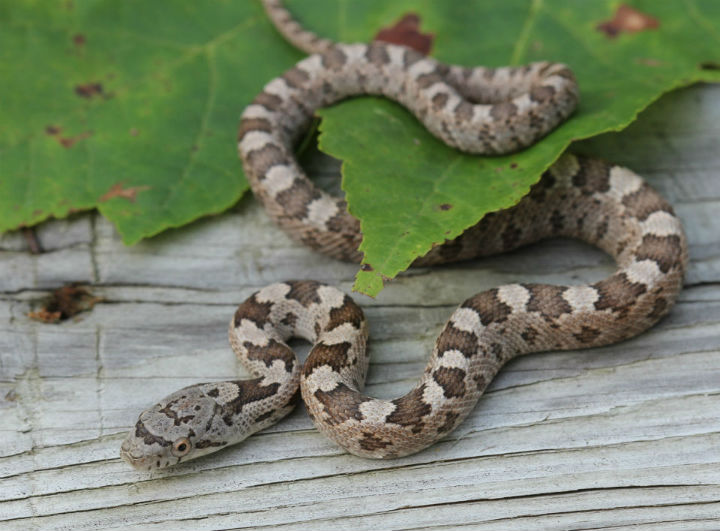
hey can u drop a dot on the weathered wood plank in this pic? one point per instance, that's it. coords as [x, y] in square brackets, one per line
[622, 437]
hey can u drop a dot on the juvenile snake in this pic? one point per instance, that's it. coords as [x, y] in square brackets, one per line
[477, 110]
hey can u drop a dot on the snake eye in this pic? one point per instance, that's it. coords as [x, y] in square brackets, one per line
[181, 447]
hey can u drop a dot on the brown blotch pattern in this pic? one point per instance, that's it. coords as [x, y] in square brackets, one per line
[334, 356]
[547, 300]
[349, 312]
[253, 310]
[587, 334]
[253, 124]
[148, 438]
[261, 160]
[489, 307]
[304, 292]
[270, 101]
[250, 391]
[593, 176]
[296, 77]
[644, 202]
[341, 404]
[267, 354]
[372, 442]
[295, 200]
[542, 93]
[665, 250]
[410, 410]
[334, 59]
[452, 381]
[617, 292]
[453, 338]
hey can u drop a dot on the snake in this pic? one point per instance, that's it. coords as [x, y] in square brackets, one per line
[478, 110]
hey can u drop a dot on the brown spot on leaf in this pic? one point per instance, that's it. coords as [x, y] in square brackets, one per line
[117, 190]
[53, 130]
[367, 267]
[68, 142]
[406, 32]
[629, 20]
[89, 90]
[79, 40]
[648, 62]
[64, 303]
[709, 65]
[445, 206]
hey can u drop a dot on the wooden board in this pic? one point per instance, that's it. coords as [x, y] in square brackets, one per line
[621, 437]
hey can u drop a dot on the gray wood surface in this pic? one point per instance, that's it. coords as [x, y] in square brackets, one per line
[621, 437]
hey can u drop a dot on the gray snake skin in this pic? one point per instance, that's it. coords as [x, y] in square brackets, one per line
[476, 110]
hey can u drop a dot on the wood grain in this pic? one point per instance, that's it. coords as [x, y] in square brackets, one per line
[621, 437]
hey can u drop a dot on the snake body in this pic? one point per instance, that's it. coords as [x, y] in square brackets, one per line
[477, 110]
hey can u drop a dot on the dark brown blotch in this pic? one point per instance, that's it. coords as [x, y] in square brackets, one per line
[334, 356]
[296, 77]
[253, 124]
[253, 310]
[267, 354]
[452, 381]
[334, 59]
[593, 176]
[542, 93]
[304, 291]
[666, 251]
[644, 202]
[371, 442]
[439, 100]
[587, 334]
[148, 438]
[349, 312]
[453, 338]
[341, 404]
[249, 391]
[489, 307]
[410, 410]
[377, 54]
[547, 300]
[464, 111]
[270, 101]
[261, 160]
[617, 293]
[295, 200]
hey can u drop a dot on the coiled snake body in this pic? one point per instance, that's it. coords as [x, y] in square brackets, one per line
[476, 110]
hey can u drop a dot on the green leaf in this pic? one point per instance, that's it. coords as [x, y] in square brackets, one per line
[411, 192]
[131, 107]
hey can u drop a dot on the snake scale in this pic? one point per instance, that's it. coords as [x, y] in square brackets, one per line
[478, 110]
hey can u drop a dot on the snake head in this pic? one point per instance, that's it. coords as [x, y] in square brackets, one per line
[178, 428]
